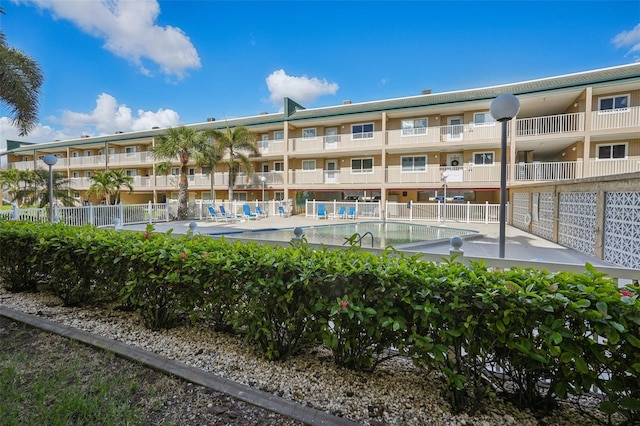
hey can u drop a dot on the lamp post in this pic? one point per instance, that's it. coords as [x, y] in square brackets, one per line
[50, 160]
[445, 176]
[503, 108]
[263, 180]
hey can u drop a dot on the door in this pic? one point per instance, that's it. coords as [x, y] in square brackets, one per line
[264, 143]
[455, 129]
[331, 138]
[331, 171]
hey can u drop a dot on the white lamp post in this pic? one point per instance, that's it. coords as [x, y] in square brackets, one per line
[50, 160]
[445, 176]
[263, 180]
[503, 108]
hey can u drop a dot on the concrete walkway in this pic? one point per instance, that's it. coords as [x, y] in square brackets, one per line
[519, 245]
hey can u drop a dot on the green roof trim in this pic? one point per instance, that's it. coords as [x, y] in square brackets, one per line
[290, 107]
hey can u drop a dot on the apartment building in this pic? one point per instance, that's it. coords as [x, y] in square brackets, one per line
[569, 127]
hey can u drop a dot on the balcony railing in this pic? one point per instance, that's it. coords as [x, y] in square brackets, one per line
[613, 167]
[92, 160]
[130, 158]
[271, 146]
[550, 125]
[615, 119]
[433, 174]
[537, 171]
[339, 142]
[343, 176]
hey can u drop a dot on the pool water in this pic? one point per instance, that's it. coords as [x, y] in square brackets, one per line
[385, 234]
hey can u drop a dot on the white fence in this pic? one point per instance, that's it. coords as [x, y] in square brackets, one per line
[430, 212]
[101, 215]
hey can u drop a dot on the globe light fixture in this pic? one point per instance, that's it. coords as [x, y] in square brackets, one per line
[503, 108]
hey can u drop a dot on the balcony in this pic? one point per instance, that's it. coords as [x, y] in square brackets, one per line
[346, 142]
[443, 134]
[130, 158]
[433, 175]
[343, 177]
[615, 119]
[80, 183]
[271, 147]
[550, 171]
[612, 167]
[561, 124]
[88, 161]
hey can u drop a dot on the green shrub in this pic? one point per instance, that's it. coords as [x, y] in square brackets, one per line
[18, 259]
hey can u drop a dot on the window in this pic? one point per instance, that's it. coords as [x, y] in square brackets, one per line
[87, 153]
[87, 174]
[483, 158]
[612, 152]
[130, 151]
[278, 136]
[175, 171]
[414, 164]
[75, 174]
[76, 194]
[614, 103]
[74, 154]
[483, 119]
[130, 172]
[309, 133]
[278, 166]
[362, 131]
[362, 165]
[414, 127]
[279, 196]
[25, 158]
[309, 165]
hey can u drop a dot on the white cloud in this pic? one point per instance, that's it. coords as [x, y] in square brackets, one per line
[629, 39]
[301, 89]
[129, 31]
[107, 117]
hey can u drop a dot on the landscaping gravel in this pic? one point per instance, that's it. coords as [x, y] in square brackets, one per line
[396, 393]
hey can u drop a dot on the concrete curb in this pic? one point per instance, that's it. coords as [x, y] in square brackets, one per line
[194, 375]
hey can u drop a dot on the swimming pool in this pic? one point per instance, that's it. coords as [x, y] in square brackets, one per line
[396, 234]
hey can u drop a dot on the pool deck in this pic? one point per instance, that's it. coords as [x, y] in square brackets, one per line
[519, 245]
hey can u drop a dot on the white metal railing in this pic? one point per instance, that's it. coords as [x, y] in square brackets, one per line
[234, 207]
[615, 119]
[21, 165]
[100, 215]
[430, 212]
[550, 125]
[80, 182]
[613, 167]
[451, 133]
[542, 171]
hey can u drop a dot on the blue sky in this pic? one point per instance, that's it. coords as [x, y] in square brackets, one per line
[117, 65]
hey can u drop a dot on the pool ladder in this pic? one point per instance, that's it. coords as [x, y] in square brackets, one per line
[360, 237]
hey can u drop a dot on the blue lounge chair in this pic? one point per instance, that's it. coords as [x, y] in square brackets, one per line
[283, 212]
[322, 213]
[342, 211]
[212, 213]
[225, 215]
[260, 213]
[247, 213]
[352, 213]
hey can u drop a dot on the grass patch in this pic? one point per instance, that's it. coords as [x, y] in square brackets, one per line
[62, 382]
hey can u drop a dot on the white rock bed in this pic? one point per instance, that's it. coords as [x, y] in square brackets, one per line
[396, 393]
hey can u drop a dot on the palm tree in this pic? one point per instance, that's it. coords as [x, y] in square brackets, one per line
[236, 143]
[102, 186]
[35, 189]
[20, 82]
[209, 157]
[14, 181]
[120, 179]
[179, 143]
